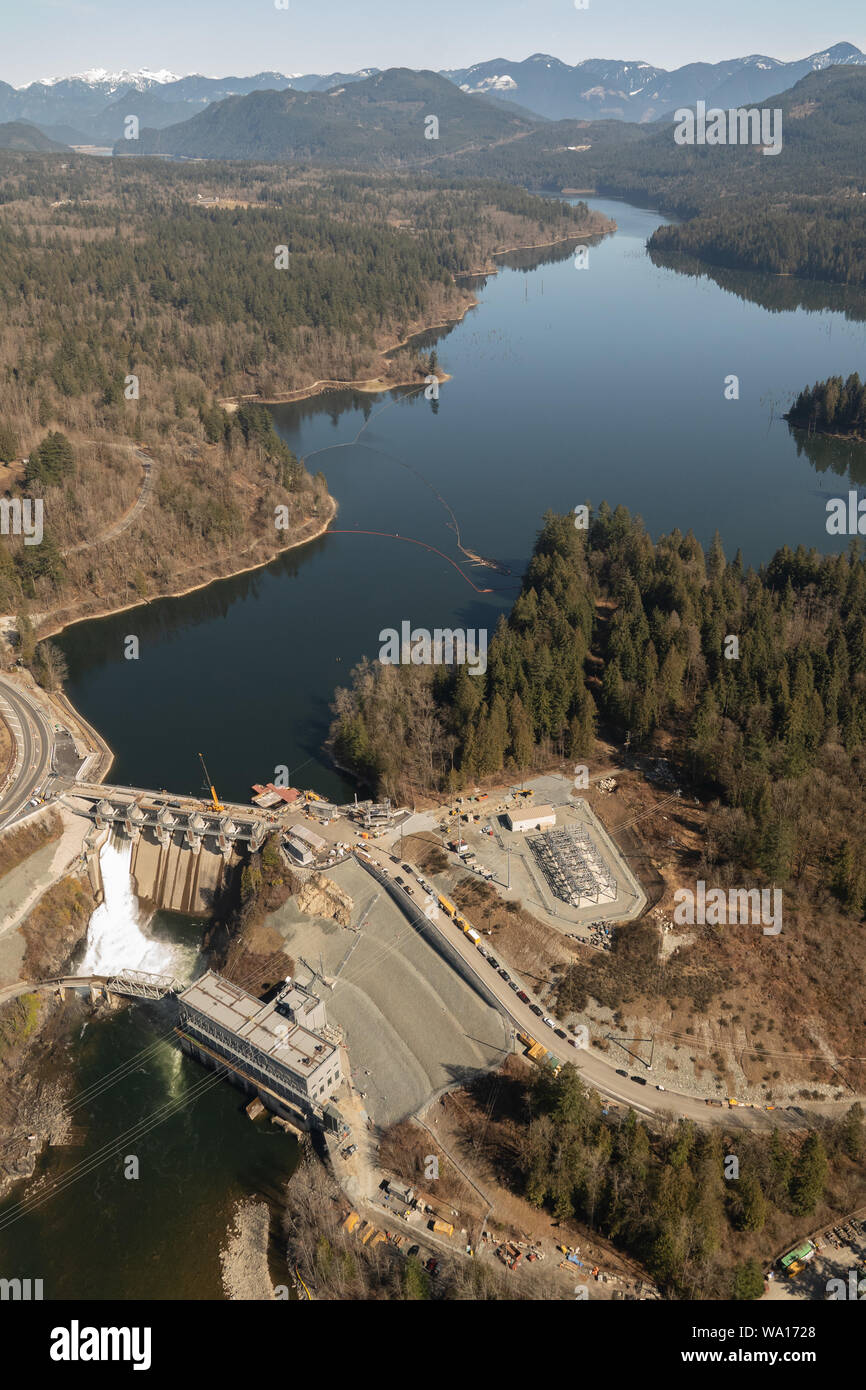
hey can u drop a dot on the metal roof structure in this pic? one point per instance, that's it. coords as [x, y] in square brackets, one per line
[260, 1025]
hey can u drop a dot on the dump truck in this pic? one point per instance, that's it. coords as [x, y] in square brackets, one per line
[369, 1230]
[351, 1221]
[444, 1228]
[536, 1050]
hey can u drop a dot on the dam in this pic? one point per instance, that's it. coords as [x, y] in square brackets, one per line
[182, 852]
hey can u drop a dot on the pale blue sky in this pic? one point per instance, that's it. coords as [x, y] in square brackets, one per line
[42, 38]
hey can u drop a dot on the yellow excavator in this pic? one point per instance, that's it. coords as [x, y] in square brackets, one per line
[217, 806]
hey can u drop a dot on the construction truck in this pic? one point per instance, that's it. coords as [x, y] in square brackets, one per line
[443, 1228]
[536, 1050]
[794, 1261]
[446, 905]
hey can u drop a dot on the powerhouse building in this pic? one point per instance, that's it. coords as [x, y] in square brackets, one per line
[275, 1049]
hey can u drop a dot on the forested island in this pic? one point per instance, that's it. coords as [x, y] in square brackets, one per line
[834, 406]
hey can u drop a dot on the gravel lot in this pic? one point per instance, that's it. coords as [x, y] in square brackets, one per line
[412, 1026]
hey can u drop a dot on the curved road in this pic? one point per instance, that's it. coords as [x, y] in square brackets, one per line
[595, 1069]
[33, 734]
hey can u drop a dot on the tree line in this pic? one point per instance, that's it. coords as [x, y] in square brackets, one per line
[665, 1195]
[610, 626]
[834, 406]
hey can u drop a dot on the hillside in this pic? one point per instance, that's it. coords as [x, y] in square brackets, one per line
[379, 122]
[17, 135]
[169, 275]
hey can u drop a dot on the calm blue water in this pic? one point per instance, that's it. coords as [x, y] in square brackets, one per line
[567, 386]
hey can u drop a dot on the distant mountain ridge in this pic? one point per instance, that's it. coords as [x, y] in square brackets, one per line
[599, 89]
[95, 103]
[380, 122]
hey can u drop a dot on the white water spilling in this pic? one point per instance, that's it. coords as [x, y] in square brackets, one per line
[117, 936]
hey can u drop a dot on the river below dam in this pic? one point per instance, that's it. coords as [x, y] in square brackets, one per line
[568, 386]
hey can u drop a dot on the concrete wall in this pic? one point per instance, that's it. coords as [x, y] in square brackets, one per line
[174, 878]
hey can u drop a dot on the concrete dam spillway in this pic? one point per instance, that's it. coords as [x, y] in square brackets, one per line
[168, 875]
[117, 936]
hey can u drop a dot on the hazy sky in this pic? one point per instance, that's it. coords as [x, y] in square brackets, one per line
[46, 38]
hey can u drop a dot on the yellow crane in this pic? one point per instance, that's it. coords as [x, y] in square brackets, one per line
[216, 801]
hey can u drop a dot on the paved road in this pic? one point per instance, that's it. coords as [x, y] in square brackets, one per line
[596, 1070]
[33, 733]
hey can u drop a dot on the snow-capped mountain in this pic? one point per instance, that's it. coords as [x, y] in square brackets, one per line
[635, 91]
[90, 107]
[101, 78]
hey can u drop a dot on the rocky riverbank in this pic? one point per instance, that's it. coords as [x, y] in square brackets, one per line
[244, 1256]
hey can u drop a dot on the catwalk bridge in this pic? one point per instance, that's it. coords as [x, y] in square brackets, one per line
[136, 984]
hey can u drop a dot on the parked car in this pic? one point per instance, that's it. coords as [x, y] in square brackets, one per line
[494, 963]
[432, 1266]
[522, 996]
[641, 1080]
[574, 1042]
[534, 1009]
[408, 868]
[512, 984]
[395, 858]
[505, 975]
[413, 1250]
[549, 1021]
[398, 879]
[660, 1087]
[351, 1149]
[560, 1032]
[620, 1071]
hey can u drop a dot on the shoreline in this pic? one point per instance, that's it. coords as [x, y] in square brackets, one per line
[57, 628]
[377, 385]
[372, 385]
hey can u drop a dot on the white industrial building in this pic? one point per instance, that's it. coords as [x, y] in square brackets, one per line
[531, 818]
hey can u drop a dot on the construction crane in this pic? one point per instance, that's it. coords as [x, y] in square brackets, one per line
[216, 801]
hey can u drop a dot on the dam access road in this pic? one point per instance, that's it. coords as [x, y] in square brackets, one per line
[38, 738]
[34, 736]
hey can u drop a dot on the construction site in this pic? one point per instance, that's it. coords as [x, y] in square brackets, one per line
[573, 866]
